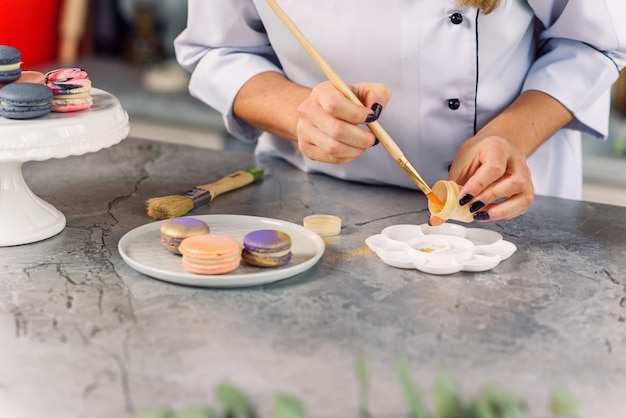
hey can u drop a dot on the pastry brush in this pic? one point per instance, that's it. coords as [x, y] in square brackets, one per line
[166, 207]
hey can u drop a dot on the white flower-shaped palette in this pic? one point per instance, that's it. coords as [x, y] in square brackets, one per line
[444, 249]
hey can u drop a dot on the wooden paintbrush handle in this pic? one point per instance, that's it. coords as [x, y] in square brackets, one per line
[231, 182]
[382, 135]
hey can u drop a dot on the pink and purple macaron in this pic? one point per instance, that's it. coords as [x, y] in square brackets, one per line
[71, 88]
[175, 230]
[266, 248]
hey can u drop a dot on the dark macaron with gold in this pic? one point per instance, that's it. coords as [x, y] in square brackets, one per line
[174, 231]
[266, 248]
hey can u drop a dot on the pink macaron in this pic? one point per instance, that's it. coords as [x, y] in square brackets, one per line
[210, 254]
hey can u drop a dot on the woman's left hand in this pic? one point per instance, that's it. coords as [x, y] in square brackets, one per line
[491, 166]
[496, 182]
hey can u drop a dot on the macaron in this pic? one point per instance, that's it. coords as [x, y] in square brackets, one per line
[266, 248]
[28, 77]
[67, 74]
[10, 63]
[210, 254]
[175, 230]
[65, 103]
[71, 88]
[25, 101]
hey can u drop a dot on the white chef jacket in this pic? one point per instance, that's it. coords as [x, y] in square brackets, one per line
[451, 70]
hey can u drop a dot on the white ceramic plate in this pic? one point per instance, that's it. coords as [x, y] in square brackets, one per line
[141, 249]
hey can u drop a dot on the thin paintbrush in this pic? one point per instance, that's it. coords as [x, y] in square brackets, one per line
[167, 207]
[382, 135]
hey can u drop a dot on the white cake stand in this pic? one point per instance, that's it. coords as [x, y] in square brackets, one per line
[24, 217]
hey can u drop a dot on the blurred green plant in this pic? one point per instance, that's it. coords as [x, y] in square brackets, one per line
[619, 146]
[488, 403]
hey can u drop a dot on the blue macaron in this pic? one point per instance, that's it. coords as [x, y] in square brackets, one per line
[25, 101]
[10, 64]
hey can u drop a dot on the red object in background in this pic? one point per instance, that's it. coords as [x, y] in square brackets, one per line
[32, 26]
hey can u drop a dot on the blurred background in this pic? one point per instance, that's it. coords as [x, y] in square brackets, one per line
[126, 46]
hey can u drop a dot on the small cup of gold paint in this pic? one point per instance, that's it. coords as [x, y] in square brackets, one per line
[323, 225]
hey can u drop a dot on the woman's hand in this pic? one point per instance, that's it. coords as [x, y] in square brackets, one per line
[491, 165]
[328, 123]
[496, 181]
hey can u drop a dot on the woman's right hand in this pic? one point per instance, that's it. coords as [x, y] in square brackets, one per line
[328, 122]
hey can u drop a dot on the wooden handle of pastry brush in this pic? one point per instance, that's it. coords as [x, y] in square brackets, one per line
[231, 182]
[382, 135]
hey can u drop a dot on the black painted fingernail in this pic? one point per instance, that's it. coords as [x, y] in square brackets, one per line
[481, 216]
[465, 199]
[476, 206]
[376, 142]
[377, 108]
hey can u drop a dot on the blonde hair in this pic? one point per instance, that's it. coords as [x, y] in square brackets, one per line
[487, 6]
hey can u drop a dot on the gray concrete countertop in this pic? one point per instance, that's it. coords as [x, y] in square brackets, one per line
[85, 335]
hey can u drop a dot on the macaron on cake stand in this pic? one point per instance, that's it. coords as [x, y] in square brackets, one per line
[24, 217]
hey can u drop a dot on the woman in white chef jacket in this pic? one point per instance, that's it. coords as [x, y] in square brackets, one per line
[493, 99]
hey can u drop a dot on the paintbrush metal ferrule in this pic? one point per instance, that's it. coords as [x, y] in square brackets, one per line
[413, 174]
[198, 196]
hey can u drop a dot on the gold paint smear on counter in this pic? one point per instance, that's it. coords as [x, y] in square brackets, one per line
[350, 255]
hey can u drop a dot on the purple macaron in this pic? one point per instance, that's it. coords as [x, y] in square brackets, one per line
[266, 248]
